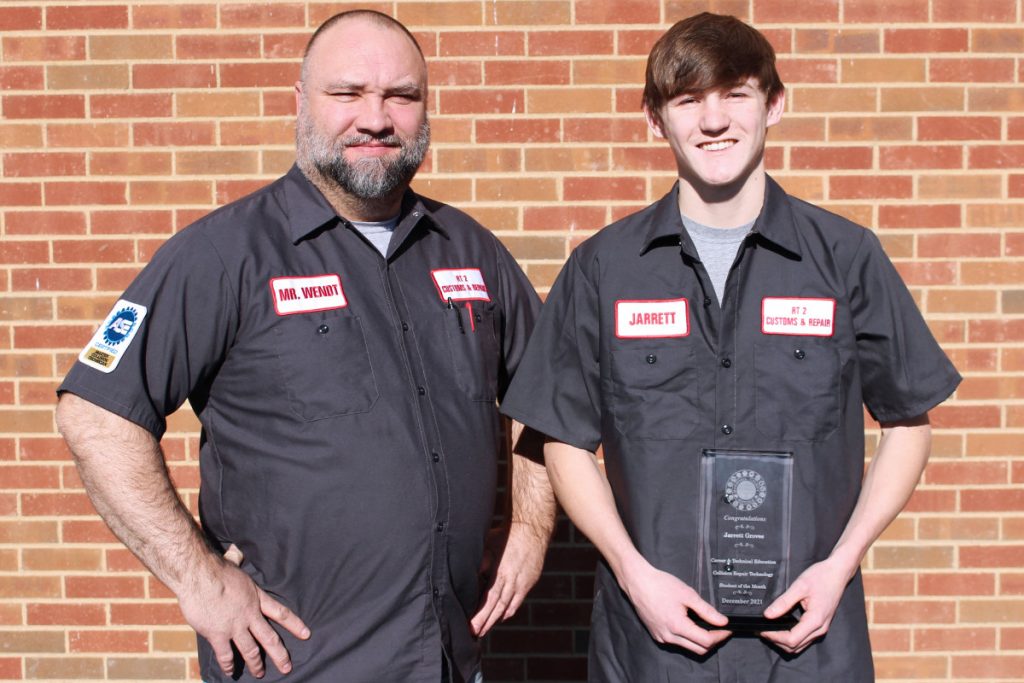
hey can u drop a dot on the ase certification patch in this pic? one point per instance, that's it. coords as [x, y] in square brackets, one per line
[112, 339]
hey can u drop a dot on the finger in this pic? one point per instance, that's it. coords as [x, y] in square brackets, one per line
[705, 611]
[234, 555]
[497, 599]
[223, 653]
[514, 603]
[250, 652]
[483, 614]
[272, 645]
[276, 612]
[501, 608]
[784, 603]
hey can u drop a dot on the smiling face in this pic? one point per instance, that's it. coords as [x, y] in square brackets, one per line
[362, 122]
[718, 137]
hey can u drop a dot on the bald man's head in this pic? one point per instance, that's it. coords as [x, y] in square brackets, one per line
[370, 16]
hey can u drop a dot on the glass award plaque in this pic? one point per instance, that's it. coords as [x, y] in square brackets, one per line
[746, 503]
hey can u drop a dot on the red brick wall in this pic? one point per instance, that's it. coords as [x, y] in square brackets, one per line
[120, 123]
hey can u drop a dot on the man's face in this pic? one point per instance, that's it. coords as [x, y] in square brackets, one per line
[362, 119]
[718, 136]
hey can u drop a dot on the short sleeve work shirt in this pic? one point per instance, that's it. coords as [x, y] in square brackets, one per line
[348, 405]
[632, 353]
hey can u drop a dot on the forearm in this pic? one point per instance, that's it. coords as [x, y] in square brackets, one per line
[533, 501]
[583, 490]
[123, 470]
[890, 480]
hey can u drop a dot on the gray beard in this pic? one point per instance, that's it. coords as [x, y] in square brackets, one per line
[366, 179]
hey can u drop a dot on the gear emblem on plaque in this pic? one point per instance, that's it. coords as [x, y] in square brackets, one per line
[745, 490]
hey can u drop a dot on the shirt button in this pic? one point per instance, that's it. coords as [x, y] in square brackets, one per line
[405, 327]
[436, 457]
[799, 354]
[323, 329]
[727, 429]
[440, 526]
[436, 593]
[421, 391]
[652, 359]
[707, 301]
[726, 363]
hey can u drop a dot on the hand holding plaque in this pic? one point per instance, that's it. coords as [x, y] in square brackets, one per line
[746, 504]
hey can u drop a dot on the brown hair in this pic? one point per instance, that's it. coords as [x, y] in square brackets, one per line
[708, 51]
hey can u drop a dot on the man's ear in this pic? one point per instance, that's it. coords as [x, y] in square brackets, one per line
[776, 107]
[654, 122]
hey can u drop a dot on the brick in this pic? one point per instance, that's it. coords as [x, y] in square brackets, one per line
[85, 192]
[20, 18]
[132, 222]
[283, 46]
[536, 72]
[171, 192]
[516, 190]
[104, 587]
[44, 106]
[907, 557]
[26, 365]
[605, 188]
[989, 611]
[163, 76]
[174, 16]
[24, 252]
[63, 668]
[879, 584]
[964, 245]
[217, 46]
[622, 12]
[21, 135]
[873, 12]
[87, 77]
[25, 531]
[959, 128]
[130, 47]
[114, 279]
[768, 12]
[570, 218]
[995, 156]
[107, 640]
[837, 41]
[130, 105]
[999, 666]
[563, 43]
[811, 158]
[70, 17]
[129, 163]
[145, 668]
[991, 499]
[21, 78]
[229, 190]
[456, 73]
[870, 187]
[997, 40]
[258, 75]
[88, 135]
[916, 40]
[55, 504]
[479, 43]
[1011, 583]
[25, 308]
[847, 129]
[845, 99]
[641, 159]
[443, 13]
[175, 134]
[971, 70]
[890, 639]
[244, 15]
[61, 559]
[31, 641]
[517, 130]
[605, 130]
[961, 301]
[570, 100]
[535, 246]
[807, 70]
[946, 187]
[954, 638]
[278, 103]
[65, 615]
[480, 160]
[181, 640]
[217, 104]
[490, 101]
[43, 164]
[608, 71]
[215, 162]
[925, 500]
[994, 99]
[912, 157]
[914, 611]
[148, 613]
[987, 11]
[956, 584]
[882, 70]
[997, 330]
[526, 12]
[932, 98]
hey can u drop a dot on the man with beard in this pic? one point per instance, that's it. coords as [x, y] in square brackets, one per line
[343, 342]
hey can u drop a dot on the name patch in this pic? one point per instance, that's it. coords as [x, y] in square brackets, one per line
[112, 339]
[802, 317]
[460, 284]
[307, 294]
[651, 318]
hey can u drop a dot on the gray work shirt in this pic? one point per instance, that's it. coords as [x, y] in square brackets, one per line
[350, 428]
[630, 354]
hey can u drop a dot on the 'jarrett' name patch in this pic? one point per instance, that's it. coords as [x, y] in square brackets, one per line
[651, 318]
[460, 284]
[307, 294]
[803, 317]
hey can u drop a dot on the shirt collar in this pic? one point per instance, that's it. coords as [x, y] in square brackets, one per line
[774, 223]
[308, 211]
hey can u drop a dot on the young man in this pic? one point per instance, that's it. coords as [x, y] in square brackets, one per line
[343, 342]
[720, 345]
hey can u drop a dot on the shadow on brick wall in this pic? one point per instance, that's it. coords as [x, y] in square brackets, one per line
[546, 641]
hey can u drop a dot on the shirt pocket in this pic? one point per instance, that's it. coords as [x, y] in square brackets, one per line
[797, 388]
[324, 365]
[474, 350]
[654, 389]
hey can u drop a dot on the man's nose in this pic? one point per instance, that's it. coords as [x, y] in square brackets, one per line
[713, 117]
[373, 117]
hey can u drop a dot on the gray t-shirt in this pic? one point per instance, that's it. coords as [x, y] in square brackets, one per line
[717, 248]
[378, 232]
